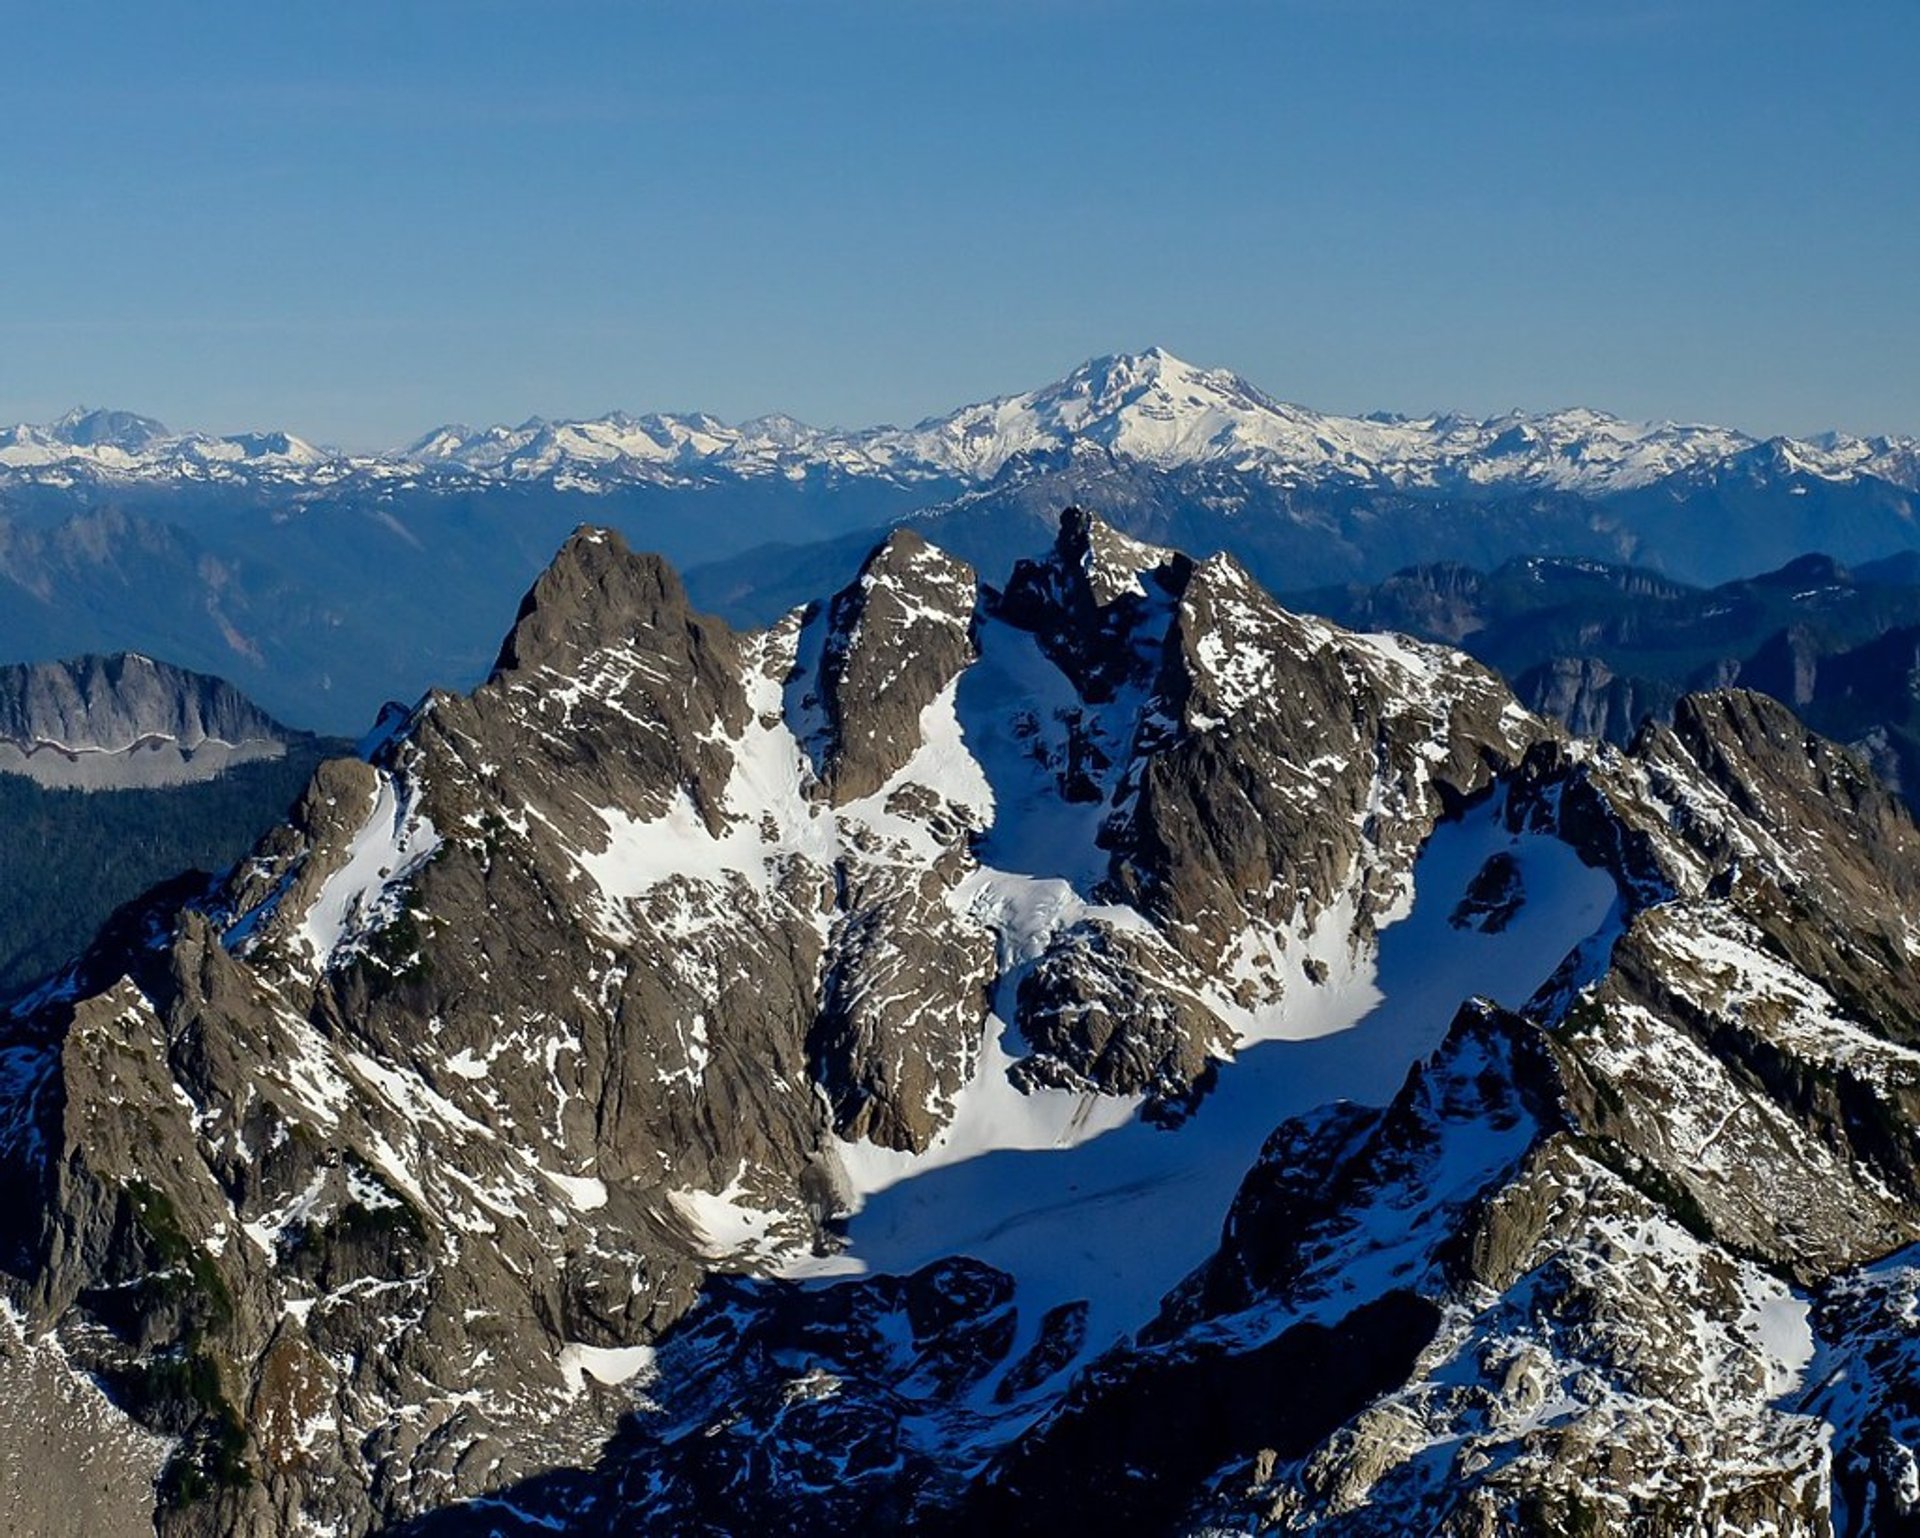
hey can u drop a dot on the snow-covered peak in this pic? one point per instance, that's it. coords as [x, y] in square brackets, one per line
[621, 446]
[1161, 410]
[443, 442]
[1150, 406]
[276, 447]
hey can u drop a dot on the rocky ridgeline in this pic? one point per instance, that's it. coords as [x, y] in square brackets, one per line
[126, 721]
[405, 1164]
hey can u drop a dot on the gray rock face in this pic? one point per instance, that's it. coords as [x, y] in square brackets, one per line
[1586, 695]
[1573, 1272]
[1602, 648]
[454, 1145]
[125, 721]
[1497, 893]
[899, 1024]
[1302, 751]
[405, 1108]
[1253, 767]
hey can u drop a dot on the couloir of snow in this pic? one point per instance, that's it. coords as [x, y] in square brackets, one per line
[1079, 1199]
[394, 842]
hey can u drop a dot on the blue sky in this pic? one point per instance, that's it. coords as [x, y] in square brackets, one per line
[359, 220]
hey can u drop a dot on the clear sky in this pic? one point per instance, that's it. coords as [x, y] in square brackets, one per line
[357, 220]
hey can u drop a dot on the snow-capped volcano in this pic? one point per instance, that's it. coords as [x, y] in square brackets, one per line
[123, 430]
[297, 568]
[1160, 410]
[1149, 407]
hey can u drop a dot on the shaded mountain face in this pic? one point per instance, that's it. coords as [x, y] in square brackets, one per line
[1866, 695]
[293, 569]
[1603, 648]
[1101, 1048]
[69, 858]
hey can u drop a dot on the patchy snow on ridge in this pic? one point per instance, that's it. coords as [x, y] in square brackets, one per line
[769, 819]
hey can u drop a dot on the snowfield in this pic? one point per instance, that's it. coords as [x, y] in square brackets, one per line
[1078, 1198]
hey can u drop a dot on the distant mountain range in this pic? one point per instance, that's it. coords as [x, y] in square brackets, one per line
[1603, 648]
[325, 581]
[1150, 407]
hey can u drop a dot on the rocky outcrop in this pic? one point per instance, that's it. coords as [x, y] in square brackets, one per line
[1570, 1279]
[1601, 649]
[366, 1177]
[1361, 743]
[75, 1465]
[888, 645]
[1251, 768]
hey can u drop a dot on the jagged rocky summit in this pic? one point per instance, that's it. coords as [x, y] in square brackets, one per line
[125, 722]
[1104, 1053]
